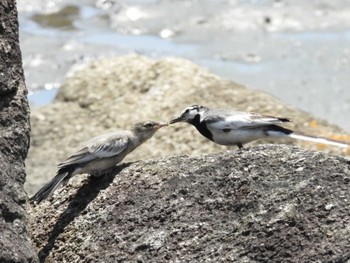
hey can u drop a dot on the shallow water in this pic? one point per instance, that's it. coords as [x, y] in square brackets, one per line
[297, 50]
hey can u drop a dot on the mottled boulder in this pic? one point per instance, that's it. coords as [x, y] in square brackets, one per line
[268, 203]
[113, 93]
[15, 245]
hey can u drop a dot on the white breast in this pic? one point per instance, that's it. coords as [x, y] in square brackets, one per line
[234, 137]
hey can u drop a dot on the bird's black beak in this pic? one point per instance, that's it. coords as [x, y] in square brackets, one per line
[179, 119]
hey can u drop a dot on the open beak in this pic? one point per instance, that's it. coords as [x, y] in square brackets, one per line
[160, 125]
[179, 119]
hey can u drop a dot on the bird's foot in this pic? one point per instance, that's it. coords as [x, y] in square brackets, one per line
[240, 148]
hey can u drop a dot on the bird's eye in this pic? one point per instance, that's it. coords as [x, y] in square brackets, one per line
[148, 125]
[187, 111]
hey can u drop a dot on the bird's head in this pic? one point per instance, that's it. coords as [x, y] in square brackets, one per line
[189, 114]
[145, 130]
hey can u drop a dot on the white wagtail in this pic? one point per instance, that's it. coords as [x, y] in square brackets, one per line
[99, 155]
[229, 127]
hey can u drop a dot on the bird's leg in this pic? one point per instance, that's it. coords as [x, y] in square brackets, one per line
[240, 145]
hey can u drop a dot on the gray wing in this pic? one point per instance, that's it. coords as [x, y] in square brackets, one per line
[226, 119]
[100, 147]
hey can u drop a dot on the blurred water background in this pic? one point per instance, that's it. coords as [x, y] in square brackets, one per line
[297, 50]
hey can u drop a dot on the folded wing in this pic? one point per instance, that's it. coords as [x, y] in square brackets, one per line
[240, 120]
[101, 147]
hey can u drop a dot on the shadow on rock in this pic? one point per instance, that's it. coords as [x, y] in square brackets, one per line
[86, 194]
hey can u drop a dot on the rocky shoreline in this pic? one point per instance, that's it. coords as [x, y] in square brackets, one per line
[114, 93]
[176, 203]
[264, 203]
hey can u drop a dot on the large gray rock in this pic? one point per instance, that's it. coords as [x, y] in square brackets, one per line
[265, 203]
[15, 245]
[113, 93]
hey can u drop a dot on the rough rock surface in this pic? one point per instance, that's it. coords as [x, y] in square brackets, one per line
[15, 245]
[266, 203]
[113, 93]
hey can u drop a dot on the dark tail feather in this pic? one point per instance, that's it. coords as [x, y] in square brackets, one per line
[284, 119]
[48, 189]
[277, 131]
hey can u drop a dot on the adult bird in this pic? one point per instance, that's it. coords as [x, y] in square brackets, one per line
[230, 127]
[99, 155]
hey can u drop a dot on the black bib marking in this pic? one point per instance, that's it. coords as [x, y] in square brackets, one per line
[201, 127]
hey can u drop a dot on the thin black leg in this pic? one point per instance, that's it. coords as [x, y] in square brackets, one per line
[240, 145]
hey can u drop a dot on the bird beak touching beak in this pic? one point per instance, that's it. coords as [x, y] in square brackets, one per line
[160, 125]
[179, 119]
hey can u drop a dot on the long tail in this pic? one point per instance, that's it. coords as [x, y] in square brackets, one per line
[318, 140]
[278, 131]
[48, 189]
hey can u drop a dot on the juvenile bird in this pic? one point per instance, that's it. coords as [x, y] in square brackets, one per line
[229, 127]
[99, 154]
